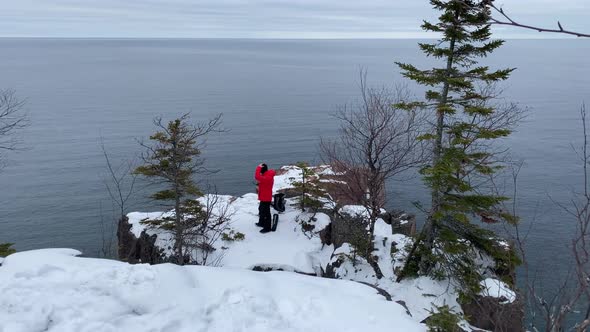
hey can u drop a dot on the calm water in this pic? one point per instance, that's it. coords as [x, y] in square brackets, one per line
[276, 96]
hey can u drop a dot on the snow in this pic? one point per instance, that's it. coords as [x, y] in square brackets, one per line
[290, 249]
[356, 211]
[164, 240]
[323, 220]
[287, 246]
[421, 295]
[504, 244]
[326, 170]
[498, 289]
[52, 290]
[135, 219]
[382, 228]
[332, 181]
[289, 174]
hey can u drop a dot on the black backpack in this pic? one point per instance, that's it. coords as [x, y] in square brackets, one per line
[278, 202]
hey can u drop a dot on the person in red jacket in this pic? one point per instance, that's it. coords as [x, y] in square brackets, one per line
[265, 178]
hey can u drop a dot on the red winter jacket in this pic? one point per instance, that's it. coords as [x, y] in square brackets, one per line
[265, 183]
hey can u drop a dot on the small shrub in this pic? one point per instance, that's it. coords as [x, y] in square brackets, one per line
[444, 319]
[5, 249]
[309, 189]
[233, 236]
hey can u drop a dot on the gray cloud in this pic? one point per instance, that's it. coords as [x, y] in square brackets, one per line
[254, 18]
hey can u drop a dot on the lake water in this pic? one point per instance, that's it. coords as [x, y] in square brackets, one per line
[276, 97]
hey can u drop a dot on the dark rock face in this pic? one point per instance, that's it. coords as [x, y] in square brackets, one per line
[334, 264]
[490, 313]
[271, 268]
[326, 235]
[401, 222]
[137, 250]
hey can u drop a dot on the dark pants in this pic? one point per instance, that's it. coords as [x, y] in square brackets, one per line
[264, 217]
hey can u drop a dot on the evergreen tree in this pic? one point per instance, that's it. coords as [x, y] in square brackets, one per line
[172, 161]
[310, 191]
[462, 133]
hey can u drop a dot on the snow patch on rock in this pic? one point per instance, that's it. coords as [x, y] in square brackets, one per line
[498, 289]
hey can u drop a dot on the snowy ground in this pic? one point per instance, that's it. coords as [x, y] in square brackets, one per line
[288, 247]
[420, 295]
[51, 290]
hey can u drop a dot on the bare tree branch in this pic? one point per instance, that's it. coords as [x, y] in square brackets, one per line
[377, 142]
[12, 120]
[506, 19]
[555, 313]
[122, 180]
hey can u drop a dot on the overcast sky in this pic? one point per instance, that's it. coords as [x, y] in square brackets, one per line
[258, 18]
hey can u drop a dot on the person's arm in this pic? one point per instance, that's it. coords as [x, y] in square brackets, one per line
[257, 174]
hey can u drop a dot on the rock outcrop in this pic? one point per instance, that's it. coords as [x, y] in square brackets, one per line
[326, 235]
[495, 314]
[137, 250]
[401, 222]
[332, 268]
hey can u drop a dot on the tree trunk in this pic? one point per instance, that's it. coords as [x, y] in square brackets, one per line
[178, 228]
[430, 226]
[372, 203]
[427, 234]
[370, 257]
[177, 213]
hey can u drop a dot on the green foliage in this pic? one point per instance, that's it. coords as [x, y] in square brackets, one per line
[359, 239]
[411, 267]
[361, 246]
[171, 160]
[460, 140]
[193, 215]
[232, 236]
[166, 223]
[444, 319]
[459, 245]
[462, 107]
[5, 249]
[310, 191]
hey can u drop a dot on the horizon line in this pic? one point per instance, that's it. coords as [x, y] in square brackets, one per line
[273, 38]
